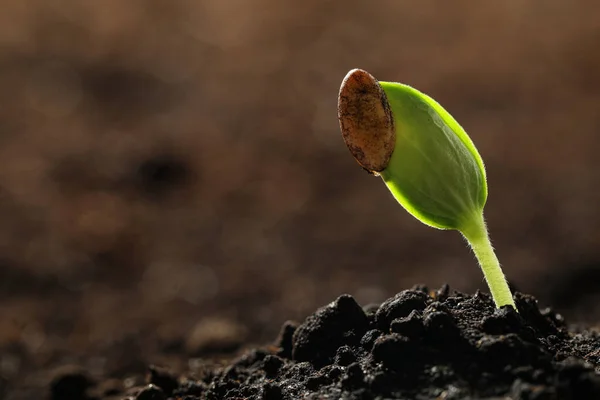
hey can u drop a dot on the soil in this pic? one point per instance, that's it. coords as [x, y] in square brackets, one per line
[419, 344]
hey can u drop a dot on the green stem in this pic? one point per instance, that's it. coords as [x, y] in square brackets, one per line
[477, 236]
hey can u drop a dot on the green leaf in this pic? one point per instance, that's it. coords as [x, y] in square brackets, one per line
[435, 171]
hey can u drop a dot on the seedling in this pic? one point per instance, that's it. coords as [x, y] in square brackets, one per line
[425, 158]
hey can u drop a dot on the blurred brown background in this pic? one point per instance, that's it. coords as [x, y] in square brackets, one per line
[172, 165]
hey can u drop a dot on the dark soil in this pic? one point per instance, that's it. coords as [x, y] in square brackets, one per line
[419, 344]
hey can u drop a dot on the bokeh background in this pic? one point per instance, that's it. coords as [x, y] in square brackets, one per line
[173, 182]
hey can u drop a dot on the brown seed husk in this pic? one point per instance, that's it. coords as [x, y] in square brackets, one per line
[366, 120]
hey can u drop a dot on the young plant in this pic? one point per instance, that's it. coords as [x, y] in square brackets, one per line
[425, 158]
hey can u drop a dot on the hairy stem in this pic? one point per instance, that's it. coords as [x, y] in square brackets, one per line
[477, 235]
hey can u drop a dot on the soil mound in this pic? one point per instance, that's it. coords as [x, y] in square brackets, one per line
[419, 344]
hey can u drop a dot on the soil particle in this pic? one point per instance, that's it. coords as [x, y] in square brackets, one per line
[396, 352]
[151, 392]
[504, 320]
[369, 338]
[354, 377]
[342, 322]
[70, 383]
[411, 326]
[161, 379]
[345, 356]
[400, 306]
[271, 365]
[419, 344]
[594, 357]
[271, 392]
[285, 339]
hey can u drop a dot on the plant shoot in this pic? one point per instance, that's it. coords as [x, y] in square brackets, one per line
[425, 158]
